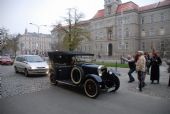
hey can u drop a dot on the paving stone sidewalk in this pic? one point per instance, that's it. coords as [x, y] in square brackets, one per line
[160, 90]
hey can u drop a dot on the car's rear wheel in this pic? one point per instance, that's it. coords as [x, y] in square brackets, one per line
[26, 73]
[113, 83]
[91, 88]
[53, 78]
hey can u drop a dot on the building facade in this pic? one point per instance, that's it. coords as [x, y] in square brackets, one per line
[123, 28]
[33, 43]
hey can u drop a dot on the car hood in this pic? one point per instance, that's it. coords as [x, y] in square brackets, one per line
[38, 64]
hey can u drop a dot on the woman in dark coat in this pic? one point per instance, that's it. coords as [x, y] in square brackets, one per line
[155, 63]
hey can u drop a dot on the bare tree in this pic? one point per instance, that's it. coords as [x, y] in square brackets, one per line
[3, 38]
[73, 33]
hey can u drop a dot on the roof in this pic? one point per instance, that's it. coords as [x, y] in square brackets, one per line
[100, 13]
[68, 53]
[155, 5]
[127, 6]
[132, 6]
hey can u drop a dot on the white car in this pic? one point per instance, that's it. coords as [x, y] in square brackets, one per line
[31, 64]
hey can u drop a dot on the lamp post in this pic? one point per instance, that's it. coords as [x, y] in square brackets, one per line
[38, 28]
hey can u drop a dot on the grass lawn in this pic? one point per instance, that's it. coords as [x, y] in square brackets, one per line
[108, 64]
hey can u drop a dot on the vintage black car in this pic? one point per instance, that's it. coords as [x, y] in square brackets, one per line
[70, 68]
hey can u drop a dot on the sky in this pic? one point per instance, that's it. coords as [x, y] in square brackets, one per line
[17, 14]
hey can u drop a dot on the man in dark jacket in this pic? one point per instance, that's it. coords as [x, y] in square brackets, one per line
[132, 67]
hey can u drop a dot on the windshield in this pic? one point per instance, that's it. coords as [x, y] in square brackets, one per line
[84, 58]
[34, 59]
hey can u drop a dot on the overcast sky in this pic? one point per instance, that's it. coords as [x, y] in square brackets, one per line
[17, 14]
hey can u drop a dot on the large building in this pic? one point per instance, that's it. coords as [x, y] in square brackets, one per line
[33, 43]
[123, 28]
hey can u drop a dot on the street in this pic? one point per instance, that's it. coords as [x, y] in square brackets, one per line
[17, 84]
[35, 95]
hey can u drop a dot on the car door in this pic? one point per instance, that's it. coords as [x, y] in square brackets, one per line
[17, 63]
[23, 63]
[64, 72]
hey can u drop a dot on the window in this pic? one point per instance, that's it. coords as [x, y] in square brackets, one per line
[101, 46]
[152, 18]
[143, 46]
[127, 32]
[109, 33]
[126, 20]
[121, 45]
[109, 9]
[162, 45]
[162, 31]
[142, 20]
[143, 33]
[151, 32]
[126, 45]
[162, 16]
[120, 33]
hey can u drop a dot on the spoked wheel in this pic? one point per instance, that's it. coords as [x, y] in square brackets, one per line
[91, 88]
[26, 73]
[53, 78]
[112, 84]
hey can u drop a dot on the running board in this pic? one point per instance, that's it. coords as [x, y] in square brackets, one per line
[64, 82]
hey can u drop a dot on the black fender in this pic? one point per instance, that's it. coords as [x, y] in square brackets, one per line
[113, 72]
[97, 78]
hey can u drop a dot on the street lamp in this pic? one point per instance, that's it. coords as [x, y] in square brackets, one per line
[38, 26]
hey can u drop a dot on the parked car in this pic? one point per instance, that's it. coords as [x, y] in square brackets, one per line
[30, 64]
[72, 69]
[5, 60]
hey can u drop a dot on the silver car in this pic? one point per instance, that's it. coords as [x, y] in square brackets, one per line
[30, 64]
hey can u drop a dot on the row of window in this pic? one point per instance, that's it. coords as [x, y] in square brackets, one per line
[161, 45]
[152, 32]
[152, 18]
[144, 19]
[125, 33]
[103, 47]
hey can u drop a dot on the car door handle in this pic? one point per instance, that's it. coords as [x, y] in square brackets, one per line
[59, 70]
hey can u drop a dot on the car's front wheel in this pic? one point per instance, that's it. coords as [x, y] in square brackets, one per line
[16, 71]
[53, 78]
[91, 88]
[112, 83]
[26, 73]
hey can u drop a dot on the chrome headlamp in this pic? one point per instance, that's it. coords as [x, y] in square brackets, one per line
[100, 70]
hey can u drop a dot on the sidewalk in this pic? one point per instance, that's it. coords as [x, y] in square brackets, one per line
[160, 90]
[0, 88]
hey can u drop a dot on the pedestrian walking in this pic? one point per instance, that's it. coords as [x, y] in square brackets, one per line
[155, 71]
[141, 68]
[132, 67]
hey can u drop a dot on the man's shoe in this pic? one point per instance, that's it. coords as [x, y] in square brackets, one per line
[130, 81]
[144, 84]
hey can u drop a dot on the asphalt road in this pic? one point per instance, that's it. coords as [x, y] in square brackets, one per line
[68, 100]
[59, 100]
